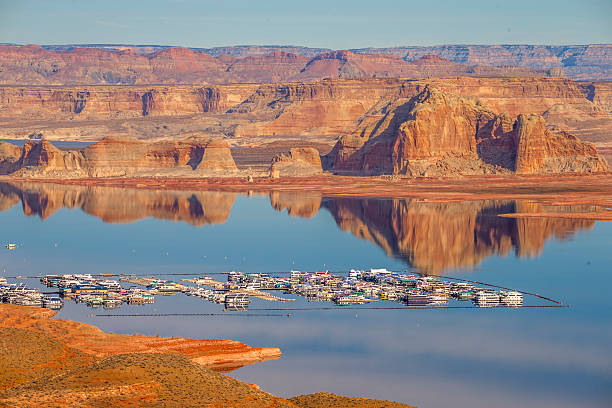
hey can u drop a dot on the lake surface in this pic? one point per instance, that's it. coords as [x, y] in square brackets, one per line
[502, 357]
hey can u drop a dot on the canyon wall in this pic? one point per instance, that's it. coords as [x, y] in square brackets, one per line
[336, 107]
[589, 61]
[582, 62]
[112, 157]
[107, 102]
[438, 134]
[328, 107]
[34, 64]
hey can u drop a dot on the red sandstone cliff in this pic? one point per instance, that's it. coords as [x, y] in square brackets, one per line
[299, 162]
[437, 133]
[33, 64]
[121, 157]
[331, 107]
[585, 62]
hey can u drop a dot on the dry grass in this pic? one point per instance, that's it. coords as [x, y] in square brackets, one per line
[325, 399]
[220, 355]
[26, 355]
[140, 380]
[37, 369]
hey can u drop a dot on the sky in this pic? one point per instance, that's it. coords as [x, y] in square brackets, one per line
[336, 24]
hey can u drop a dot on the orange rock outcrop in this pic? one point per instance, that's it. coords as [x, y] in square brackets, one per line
[299, 162]
[437, 133]
[219, 355]
[329, 107]
[121, 157]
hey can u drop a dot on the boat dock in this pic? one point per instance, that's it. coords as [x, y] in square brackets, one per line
[236, 289]
[357, 287]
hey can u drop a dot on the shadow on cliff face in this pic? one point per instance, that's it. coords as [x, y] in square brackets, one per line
[429, 236]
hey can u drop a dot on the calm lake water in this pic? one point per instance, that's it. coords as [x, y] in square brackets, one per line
[530, 357]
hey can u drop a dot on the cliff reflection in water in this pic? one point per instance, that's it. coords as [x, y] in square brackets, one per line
[119, 205]
[429, 236]
[436, 236]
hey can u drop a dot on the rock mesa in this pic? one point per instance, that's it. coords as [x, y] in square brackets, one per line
[300, 162]
[112, 157]
[438, 134]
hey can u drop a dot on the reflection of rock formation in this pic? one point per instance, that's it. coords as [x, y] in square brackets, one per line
[435, 236]
[429, 236]
[120, 205]
[297, 204]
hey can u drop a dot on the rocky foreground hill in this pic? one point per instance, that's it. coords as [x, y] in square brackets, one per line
[58, 363]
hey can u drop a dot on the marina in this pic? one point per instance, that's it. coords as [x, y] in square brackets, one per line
[357, 287]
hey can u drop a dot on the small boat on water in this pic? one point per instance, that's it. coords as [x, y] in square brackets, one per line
[237, 301]
[414, 299]
[10, 246]
[52, 302]
[487, 298]
[112, 303]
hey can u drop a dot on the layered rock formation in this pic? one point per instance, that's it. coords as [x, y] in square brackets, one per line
[576, 61]
[299, 162]
[33, 64]
[81, 102]
[600, 93]
[330, 107]
[436, 134]
[120, 157]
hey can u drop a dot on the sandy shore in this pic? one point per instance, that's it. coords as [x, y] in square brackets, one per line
[553, 189]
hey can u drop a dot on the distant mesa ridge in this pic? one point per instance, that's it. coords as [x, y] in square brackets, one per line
[33, 64]
[581, 62]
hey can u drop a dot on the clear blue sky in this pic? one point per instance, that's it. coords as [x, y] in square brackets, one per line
[316, 23]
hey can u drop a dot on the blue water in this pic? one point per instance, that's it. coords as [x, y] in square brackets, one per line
[555, 357]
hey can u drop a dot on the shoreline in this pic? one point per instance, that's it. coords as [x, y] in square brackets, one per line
[66, 363]
[449, 189]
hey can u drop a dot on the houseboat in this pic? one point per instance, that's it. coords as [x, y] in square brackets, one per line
[511, 299]
[237, 300]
